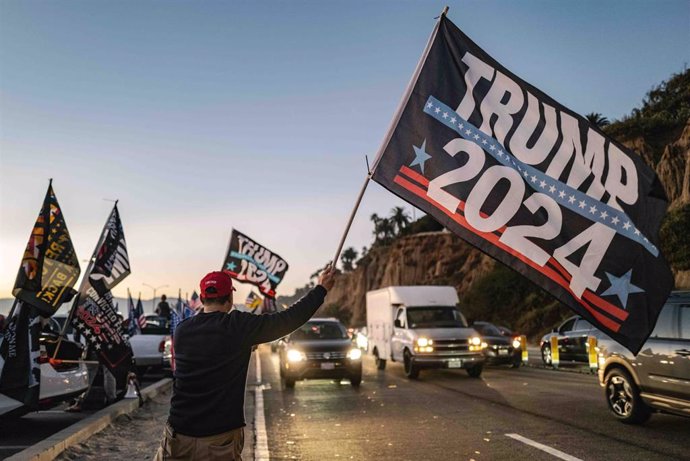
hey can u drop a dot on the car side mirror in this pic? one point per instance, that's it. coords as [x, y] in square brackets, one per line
[397, 323]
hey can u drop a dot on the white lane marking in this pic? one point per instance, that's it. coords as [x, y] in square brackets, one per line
[542, 447]
[261, 439]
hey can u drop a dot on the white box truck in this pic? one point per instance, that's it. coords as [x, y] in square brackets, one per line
[422, 327]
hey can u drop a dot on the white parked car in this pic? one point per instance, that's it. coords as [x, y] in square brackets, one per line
[149, 346]
[60, 381]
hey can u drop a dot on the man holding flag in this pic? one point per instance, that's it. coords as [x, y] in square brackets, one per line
[212, 352]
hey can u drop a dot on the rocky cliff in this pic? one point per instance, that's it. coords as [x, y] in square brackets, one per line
[431, 258]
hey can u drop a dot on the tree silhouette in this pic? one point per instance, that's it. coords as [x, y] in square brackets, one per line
[595, 118]
[347, 258]
[399, 218]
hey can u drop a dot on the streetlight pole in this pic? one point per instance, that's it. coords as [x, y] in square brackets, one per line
[153, 302]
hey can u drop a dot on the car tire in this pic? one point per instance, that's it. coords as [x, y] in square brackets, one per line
[546, 355]
[623, 397]
[475, 371]
[355, 381]
[411, 371]
[380, 363]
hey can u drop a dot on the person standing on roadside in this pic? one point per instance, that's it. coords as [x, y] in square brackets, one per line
[163, 308]
[212, 352]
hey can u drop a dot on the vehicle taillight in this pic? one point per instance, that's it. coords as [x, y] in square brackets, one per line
[161, 346]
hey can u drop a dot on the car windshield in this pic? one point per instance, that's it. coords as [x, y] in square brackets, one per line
[156, 325]
[435, 317]
[488, 330]
[319, 330]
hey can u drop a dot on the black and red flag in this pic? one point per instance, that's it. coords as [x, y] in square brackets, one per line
[249, 261]
[531, 183]
[49, 267]
[95, 316]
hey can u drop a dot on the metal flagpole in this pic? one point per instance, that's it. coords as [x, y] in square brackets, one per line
[92, 261]
[14, 306]
[396, 118]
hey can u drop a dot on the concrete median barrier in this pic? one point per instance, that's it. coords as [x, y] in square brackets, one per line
[49, 448]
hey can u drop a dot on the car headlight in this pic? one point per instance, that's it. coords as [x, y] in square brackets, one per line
[424, 342]
[475, 343]
[293, 355]
[517, 343]
[354, 354]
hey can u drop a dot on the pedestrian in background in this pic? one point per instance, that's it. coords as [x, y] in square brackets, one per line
[163, 308]
[212, 352]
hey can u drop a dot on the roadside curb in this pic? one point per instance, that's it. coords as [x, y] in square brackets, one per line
[49, 448]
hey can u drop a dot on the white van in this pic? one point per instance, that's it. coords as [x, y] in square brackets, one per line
[422, 327]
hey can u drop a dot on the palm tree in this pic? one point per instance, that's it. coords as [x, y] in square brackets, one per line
[347, 258]
[386, 229]
[595, 118]
[377, 225]
[399, 218]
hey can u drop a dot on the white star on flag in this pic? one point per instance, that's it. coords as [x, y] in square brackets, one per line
[592, 209]
[582, 204]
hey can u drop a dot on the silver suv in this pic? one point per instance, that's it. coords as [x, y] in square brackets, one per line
[656, 379]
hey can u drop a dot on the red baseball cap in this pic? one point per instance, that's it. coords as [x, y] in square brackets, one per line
[216, 285]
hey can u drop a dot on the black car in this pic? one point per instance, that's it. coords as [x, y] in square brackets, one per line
[321, 348]
[501, 349]
[658, 377]
[572, 337]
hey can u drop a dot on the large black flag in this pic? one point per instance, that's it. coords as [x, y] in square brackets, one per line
[95, 316]
[49, 267]
[251, 262]
[532, 184]
[20, 373]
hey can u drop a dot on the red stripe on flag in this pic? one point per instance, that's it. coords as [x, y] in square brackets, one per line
[409, 172]
[492, 238]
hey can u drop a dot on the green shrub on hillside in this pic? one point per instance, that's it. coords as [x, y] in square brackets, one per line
[675, 239]
[664, 111]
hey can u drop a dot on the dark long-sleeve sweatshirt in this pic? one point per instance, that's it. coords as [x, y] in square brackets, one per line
[212, 352]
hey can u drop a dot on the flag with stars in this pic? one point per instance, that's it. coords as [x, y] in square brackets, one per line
[95, 316]
[250, 262]
[253, 301]
[49, 267]
[140, 313]
[175, 320]
[195, 301]
[531, 183]
[133, 326]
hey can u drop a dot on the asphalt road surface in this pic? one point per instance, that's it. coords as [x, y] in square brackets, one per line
[20, 433]
[527, 413]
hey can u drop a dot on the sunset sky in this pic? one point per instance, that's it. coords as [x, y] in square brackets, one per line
[204, 116]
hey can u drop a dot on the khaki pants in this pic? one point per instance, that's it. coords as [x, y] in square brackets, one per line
[177, 447]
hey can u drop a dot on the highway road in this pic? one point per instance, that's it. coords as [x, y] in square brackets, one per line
[528, 413]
